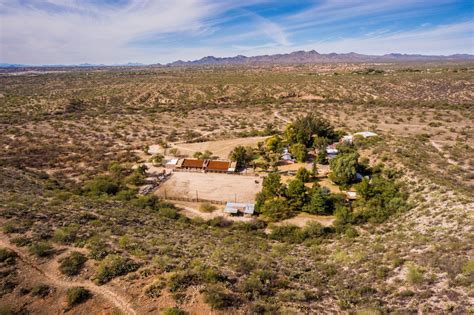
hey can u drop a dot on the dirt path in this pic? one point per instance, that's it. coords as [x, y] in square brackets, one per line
[54, 279]
[438, 147]
[279, 116]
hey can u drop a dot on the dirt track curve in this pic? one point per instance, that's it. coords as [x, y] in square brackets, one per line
[104, 291]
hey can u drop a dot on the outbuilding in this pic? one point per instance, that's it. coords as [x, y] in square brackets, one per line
[236, 208]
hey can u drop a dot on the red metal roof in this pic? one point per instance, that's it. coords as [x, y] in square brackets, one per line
[218, 166]
[191, 163]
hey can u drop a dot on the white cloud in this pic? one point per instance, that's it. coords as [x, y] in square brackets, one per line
[149, 31]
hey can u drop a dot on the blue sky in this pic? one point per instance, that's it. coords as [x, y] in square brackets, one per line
[151, 31]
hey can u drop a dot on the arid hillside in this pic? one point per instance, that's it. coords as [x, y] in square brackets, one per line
[63, 249]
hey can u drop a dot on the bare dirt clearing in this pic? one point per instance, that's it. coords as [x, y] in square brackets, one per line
[304, 218]
[220, 148]
[219, 187]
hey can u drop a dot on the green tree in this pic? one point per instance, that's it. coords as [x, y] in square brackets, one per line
[319, 202]
[299, 152]
[242, 155]
[276, 209]
[271, 187]
[303, 174]
[296, 194]
[273, 144]
[321, 157]
[304, 128]
[344, 168]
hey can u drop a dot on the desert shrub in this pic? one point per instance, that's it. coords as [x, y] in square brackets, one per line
[154, 289]
[21, 241]
[260, 283]
[181, 280]
[287, 233]
[7, 255]
[207, 207]
[101, 185]
[219, 222]
[98, 249]
[41, 249]
[6, 310]
[174, 311]
[113, 266]
[41, 290]
[169, 213]
[66, 235]
[77, 295]
[217, 297]
[72, 264]
[414, 275]
[10, 227]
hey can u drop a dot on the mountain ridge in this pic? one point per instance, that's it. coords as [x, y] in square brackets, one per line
[313, 56]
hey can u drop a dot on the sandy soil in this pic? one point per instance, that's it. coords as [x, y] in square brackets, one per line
[303, 218]
[220, 187]
[191, 210]
[220, 148]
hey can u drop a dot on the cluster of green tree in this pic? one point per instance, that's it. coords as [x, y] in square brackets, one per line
[277, 201]
[242, 155]
[310, 131]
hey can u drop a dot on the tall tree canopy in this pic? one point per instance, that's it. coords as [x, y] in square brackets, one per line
[304, 129]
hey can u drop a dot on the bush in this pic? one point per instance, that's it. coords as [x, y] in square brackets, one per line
[169, 213]
[287, 233]
[113, 266]
[207, 207]
[41, 249]
[66, 235]
[101, 185]
[174, 311]
[77, 295]
[181, 280]
[72, 264]
[217, 297]
[41, 290]
[6, 255]
[154, 289]
[414, 274]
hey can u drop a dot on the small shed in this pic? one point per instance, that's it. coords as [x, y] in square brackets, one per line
[236, 208]
[286, 156]
[172, 164]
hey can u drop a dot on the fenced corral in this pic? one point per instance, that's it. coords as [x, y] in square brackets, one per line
[212, 187]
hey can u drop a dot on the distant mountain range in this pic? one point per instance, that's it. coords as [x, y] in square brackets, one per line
[297, 57]
[307, 57]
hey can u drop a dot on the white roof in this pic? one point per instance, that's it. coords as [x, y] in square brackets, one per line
[366, 134]
[331, 151]
[172, 162]
[234, 207]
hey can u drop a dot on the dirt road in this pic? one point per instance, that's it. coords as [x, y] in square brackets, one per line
[106, 292]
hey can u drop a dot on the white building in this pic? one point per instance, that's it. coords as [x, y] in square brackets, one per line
[239, 208]
[286, 156]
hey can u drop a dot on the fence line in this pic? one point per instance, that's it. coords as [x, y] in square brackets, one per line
[217, 202]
